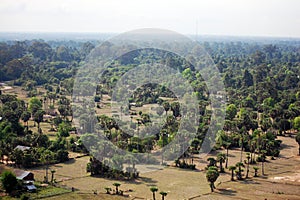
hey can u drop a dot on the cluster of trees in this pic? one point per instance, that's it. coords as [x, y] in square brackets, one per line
[38, 62]
[13, 133]
[103, 169]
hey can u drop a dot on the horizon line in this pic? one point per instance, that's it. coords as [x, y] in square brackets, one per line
[114, 33]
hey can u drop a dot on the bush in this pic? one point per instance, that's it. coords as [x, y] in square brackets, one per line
[9, 181]
[24, 197]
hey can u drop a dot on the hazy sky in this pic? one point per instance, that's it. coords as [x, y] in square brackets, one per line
[218, 17]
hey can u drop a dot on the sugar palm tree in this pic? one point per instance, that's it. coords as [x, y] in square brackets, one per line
[117, 185]
[232, 168]
[227, 146]
[108, 189]
[153, 190]
[263, 159]
[52, 175]
[255, 171]
[163, 194]
[298, 140]
[239, 165]
[212, 162]
[221, 157]
[248, 163]
[166, 106]
[212, 175]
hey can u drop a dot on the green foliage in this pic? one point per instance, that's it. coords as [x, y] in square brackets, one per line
[231, 111]
[298, 138]
[35, 104]
[269, 102]
[221, 158]
[153, 189]
[9, 181]
[163, 194]
[248, 79]
[212, 175]
[64, 129]
[184, 165]
[296, 123]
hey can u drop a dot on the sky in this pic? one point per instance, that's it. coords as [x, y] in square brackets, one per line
[277, 18]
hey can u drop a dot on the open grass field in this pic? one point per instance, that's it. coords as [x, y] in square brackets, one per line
[185, 184]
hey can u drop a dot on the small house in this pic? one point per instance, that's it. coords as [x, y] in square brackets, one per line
[24, 175]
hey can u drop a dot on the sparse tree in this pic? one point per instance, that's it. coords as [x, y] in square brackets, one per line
[52, 175]
[153, 190]
[248, 163]
[212, 175]
[221, 157]
[232, 168]
[239, 165]
[163, 194]
[107, 189]
[255, 171]
[117, 185]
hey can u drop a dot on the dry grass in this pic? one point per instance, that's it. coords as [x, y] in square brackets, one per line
[184, 184]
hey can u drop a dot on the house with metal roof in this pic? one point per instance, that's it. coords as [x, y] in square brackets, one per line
[24, 175]
[22, 148]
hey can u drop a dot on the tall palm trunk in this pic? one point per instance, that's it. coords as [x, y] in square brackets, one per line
[211, 186]
[226, 164]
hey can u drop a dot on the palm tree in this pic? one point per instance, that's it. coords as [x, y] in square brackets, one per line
[255, 171]
[298, 140]
[227, 146]
[52, 175]
[239, 165]
[232, 168]
[166, 106]
[263, 159]
[212, 162]
[153, 190]
[248, 162]
[38, 118]
[108, 189]
[224, 141]
[221, 157]
[163, 194]
[117, 185]
[212, 175]
[25, 117]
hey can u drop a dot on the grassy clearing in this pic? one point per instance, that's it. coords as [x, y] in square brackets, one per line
[42, 192]
[184, 184]
[48, 192]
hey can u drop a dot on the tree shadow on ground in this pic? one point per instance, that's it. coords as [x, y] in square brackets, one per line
[227, 192]
[147, 181]
[143, 180]
[249, 181]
